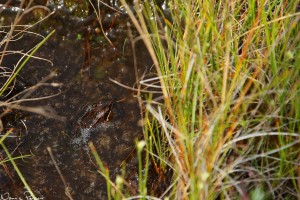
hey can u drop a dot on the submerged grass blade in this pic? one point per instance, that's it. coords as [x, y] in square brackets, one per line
[18, 171]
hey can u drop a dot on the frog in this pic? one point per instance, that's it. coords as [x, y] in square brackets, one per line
[92, 120]
[94, 114]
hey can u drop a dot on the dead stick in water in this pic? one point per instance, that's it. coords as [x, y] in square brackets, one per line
[67, 188]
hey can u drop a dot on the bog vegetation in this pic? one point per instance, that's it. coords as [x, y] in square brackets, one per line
[226, 122]
[228, 125]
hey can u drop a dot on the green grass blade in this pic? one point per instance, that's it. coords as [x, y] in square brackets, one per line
[18, 171]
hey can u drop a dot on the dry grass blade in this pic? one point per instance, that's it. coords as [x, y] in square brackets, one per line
[142, 29]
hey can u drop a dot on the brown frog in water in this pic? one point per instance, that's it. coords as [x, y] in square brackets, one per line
[94, 114]
[93, 120]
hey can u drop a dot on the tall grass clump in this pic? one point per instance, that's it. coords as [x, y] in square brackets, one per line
[228, 71]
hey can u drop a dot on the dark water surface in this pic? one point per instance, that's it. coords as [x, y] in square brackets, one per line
[83, 61]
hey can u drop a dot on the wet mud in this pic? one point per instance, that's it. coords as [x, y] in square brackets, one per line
[91, 108]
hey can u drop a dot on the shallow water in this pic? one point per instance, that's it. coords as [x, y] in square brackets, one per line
[83, 61]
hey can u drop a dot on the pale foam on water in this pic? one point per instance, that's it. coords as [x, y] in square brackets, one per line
[85, 134]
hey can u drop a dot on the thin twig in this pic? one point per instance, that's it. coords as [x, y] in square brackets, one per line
[67, 188]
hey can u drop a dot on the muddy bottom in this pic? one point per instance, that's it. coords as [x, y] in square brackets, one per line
[91, 108]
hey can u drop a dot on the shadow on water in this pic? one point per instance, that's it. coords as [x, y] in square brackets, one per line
[95, 109]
